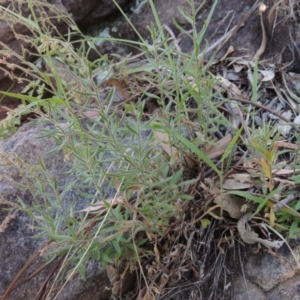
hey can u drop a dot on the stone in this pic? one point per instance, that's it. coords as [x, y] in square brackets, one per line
[16, 241]
[88, 12]
[244, 289]
[272, 276]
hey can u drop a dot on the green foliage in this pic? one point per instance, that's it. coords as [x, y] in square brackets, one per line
[114, 151]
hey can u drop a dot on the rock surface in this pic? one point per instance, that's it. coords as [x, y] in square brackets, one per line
[268, 276]
[282, 41]
[89, 12]
[16, 240]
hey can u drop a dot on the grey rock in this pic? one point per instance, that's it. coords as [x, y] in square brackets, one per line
[267, 270]
[243, 289]
[268, 276]
[88, 12]
[246, 40]
[288, 290]
[16, 242]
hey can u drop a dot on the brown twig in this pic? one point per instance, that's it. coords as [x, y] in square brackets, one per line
[28, 263]
[50, 274]
[224, 39]
[266, 109]
[263, 45]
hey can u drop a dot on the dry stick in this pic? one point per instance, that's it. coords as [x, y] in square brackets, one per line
[266, 109]
[176, 45]
[31, 259]
[286, 206]
[227, 36]
[262, 47]
[52, 271]
[34, 273]
[281, 203]
[223, 40]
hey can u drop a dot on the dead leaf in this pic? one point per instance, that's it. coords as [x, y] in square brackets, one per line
[233, 76]
[297, 120]
[218, 149]
[237, 68]
[285, 128]
[267, 74]
[287, 145]
[229, 51]
[272, 14]
[91, 114]
[231, 204]
[120, 86]
[230, 87]
[238, 181]
[242, 177]
[100, 206]
[190, 162]
[235, 114]
[249, 167]
[262, 48]
[284, 181]
[232, 184]
[283, 171]
[250, 237]
[163, 140]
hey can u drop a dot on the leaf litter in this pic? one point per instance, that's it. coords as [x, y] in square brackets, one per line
[182, 252]
[173, 259]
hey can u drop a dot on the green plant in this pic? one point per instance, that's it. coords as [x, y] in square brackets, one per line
[112, 148]
[135, 161]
